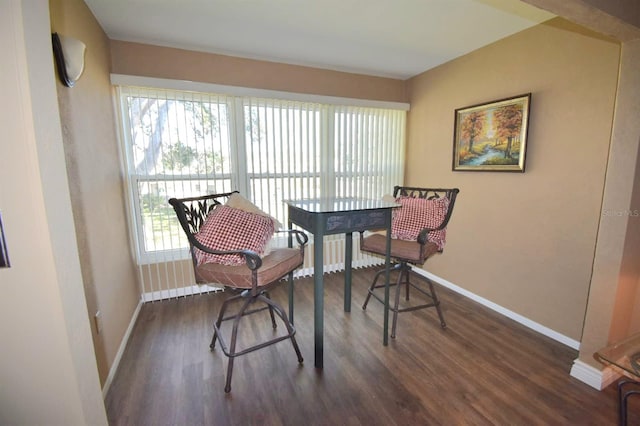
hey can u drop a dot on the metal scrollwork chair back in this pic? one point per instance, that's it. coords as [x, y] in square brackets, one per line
[250, 280]
[412, 251]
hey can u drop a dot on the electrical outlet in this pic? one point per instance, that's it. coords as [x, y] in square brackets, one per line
[97, 319]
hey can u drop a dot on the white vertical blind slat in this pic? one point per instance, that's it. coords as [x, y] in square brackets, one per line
[271, 150]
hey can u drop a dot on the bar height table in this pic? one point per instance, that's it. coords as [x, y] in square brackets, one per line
[624, 357]
[329, 216]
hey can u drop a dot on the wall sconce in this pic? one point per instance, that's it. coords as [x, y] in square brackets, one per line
[4, 254]
[69, 55]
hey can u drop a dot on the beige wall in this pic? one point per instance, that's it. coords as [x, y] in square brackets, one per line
[632, 248]
[614, 284]
[93, 168]
[48, 372]
[163, 62]
[524, 241]
[97, 195]
[47, 369]
[90, 143]
[572, 74]
[608, 311]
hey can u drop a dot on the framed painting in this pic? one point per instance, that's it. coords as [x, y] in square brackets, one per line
[492, 136]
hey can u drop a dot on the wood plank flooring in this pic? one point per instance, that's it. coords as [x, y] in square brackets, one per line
[484, 369]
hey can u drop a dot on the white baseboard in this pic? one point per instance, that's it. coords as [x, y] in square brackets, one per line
[584, 372]
[574, 344]
[152, 296]
[598, 379]
[123, 344]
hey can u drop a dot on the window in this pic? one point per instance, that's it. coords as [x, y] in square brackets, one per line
[176, 144]
[180, 143]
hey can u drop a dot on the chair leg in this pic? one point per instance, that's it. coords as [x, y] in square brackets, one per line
[232, 344]
[223, 309]
[396, 303]
[406, 269]
[290, 330]
[373, 284]
[273, 319]
[436, 302]
[404, 278]
[248, 300]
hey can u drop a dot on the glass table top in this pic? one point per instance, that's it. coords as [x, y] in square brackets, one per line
[336, 205]
[624, 354]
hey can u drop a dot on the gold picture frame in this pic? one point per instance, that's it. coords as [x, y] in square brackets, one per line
[492, 136]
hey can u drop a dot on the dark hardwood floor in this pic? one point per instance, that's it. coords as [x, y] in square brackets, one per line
[484, 369]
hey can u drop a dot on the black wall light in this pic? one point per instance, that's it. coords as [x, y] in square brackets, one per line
[4, 255]
[69, 55]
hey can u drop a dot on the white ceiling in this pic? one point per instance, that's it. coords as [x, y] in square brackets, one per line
[389, 38]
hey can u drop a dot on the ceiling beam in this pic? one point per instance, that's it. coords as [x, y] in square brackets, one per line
[620, 21]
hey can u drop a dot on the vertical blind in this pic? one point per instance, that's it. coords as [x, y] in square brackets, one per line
[183, 143]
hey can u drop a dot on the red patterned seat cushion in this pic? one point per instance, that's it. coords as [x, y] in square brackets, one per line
[227, 228]
[417, 214]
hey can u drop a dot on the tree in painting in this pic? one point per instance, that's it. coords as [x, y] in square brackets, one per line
[472, 128]
[508, 123]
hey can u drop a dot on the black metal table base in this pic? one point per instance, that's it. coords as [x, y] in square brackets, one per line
[623, 396]
[339, 216]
